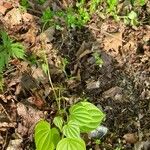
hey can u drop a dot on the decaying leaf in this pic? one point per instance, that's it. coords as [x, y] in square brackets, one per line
[130, 138]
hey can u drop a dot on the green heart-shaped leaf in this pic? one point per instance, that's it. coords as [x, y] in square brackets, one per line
[71, 144]
[58, 122]
[87, 115]
[43, 136]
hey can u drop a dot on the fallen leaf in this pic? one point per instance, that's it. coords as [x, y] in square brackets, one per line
[130, 138]
[48, 35]
[2, 10]
[114, 92]
[112, 43]
[142, 145]
[38, 74]
[13, 17]
[30, 115]
[93, 85]
[15, 144]
[7, 5]
[27, 17]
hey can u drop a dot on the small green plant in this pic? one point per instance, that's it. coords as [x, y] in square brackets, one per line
[73, 17]
[25, 4]
[93, 5]
[138, 2]
[41, 1]
[65, 62]
[131, 19]
[47, 15]
[9, 49]
[112, 7]
[98, 59]
[65, 131]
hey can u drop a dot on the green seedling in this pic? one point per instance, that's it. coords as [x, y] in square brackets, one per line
[73, 17]
[112, 6]
[131, 19]
[41, 1]
[97, 141]
[25, 4]
[47, 16]
[138, 2]
[98, 59]
[93, 5]
[65, 62]
[65, 131]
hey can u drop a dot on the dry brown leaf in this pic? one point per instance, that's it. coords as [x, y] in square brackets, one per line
[2, 10]
[114, 92]
[38, 74]
[15, 144]
[36, 101]
[13, 17]
[113, 43]
[91, 84]
[7, 5]
[27, 17]
[29, 115]
[5, 125]
[48, 35]
[130, 138]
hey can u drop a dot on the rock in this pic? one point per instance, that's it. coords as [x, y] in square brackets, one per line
[99, 132]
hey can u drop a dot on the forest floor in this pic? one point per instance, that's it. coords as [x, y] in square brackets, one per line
[120, 85]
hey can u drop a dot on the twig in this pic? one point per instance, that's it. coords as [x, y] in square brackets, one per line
[5, 142]
[6, 112]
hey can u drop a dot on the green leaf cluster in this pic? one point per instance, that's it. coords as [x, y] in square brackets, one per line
[131, 19]
[138, 2]
[8, 50]
[98, 59]
[112, 5]
[87, 116]
[83, 117]
[73, 17]
[41, 1]
[25, 4]
[47, 15]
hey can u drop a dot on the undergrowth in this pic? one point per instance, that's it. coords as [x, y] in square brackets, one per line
[81, 13]
[70, 123]
[8, 49]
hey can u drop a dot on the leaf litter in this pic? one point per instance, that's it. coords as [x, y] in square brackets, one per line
[120, 86]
